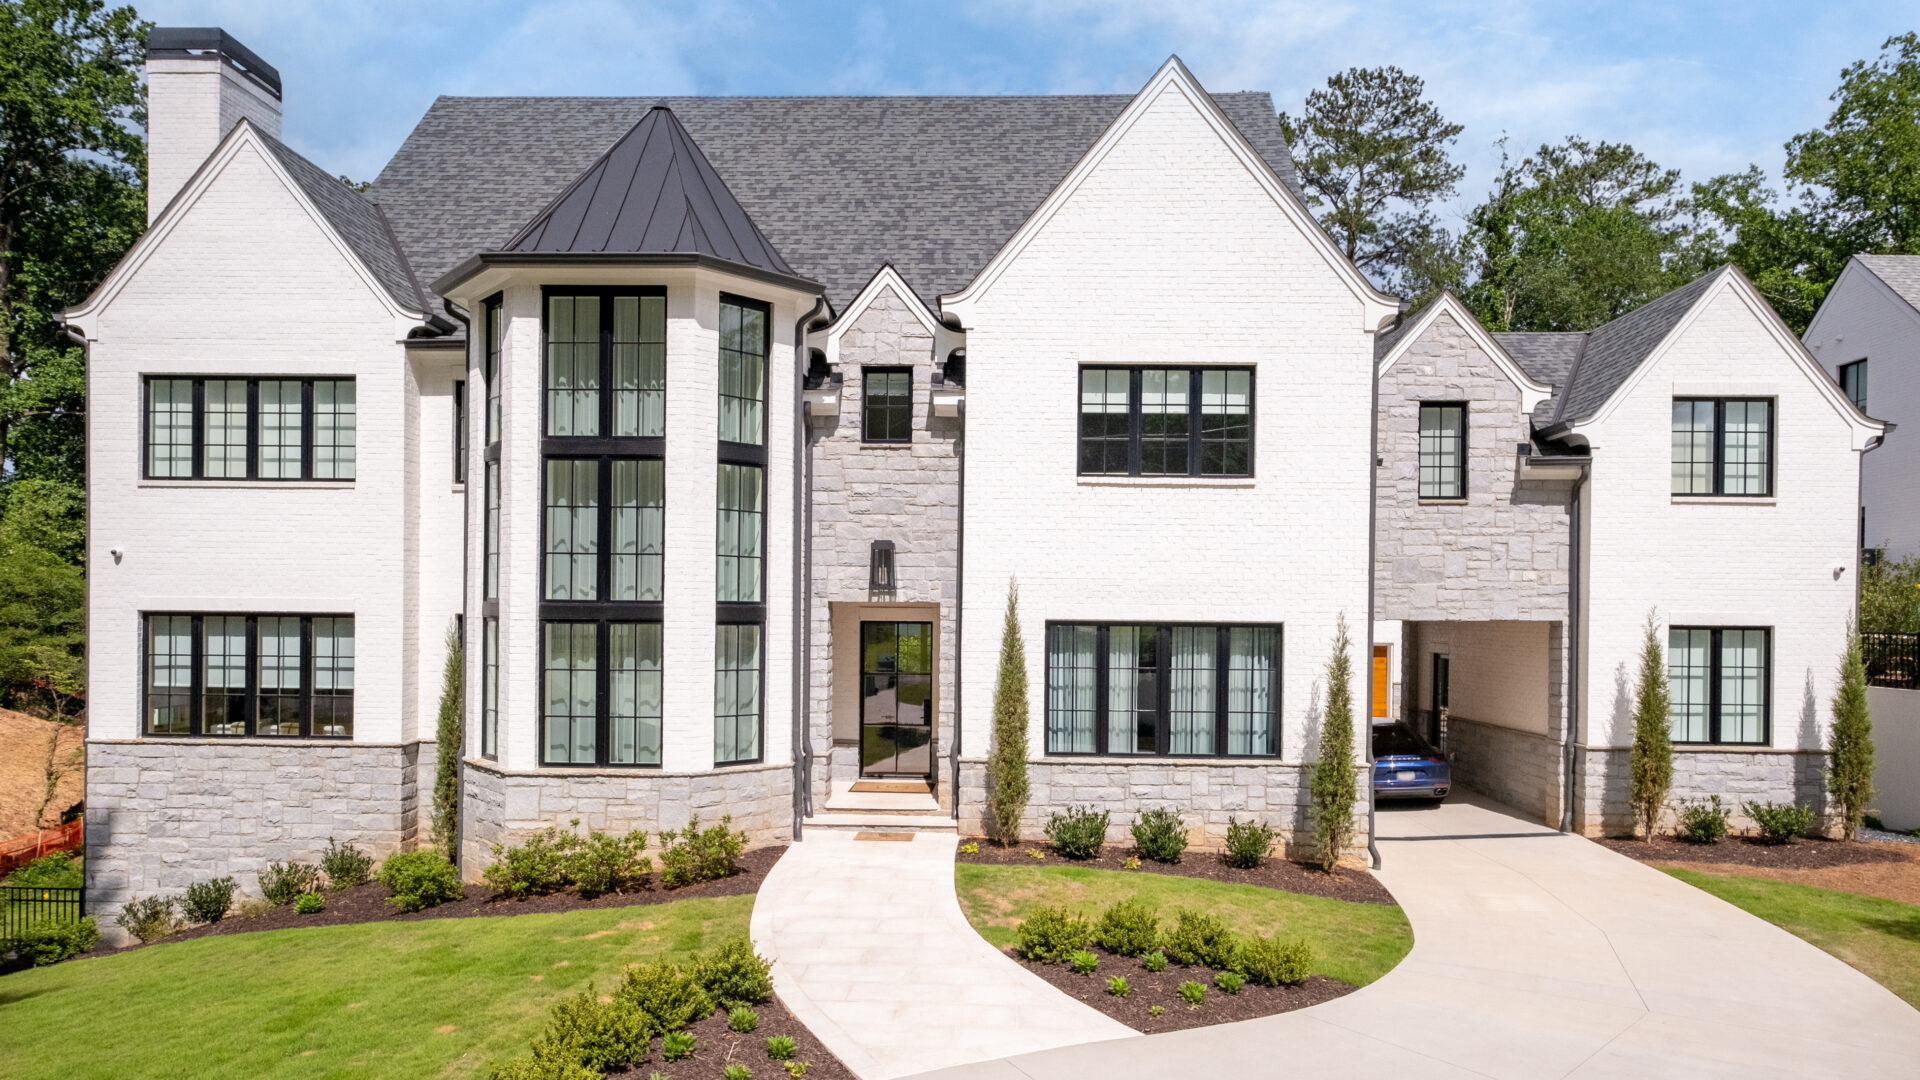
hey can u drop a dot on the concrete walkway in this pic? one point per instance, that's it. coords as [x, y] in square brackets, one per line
[871, 953]
[1542, 955]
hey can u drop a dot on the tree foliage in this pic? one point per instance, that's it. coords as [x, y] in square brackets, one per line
[1850, 753]
[1007, 782]
[450, 735]
[1334, 789]
[1651, 761]
[1890, 596]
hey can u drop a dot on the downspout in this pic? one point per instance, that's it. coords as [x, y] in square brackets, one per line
[959, 603]
[466, 546]
[802, 566]
[1570, 736]
[805, 759]
[1373, 524]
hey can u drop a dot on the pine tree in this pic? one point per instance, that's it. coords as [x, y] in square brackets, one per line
[1007, 785]
[1850, 771]
[1334, 789]
[1652, 758]
[450, 735]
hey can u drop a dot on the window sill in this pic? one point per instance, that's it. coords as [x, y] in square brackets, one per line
[887, 444]
[1725, 500]
[1462, 501]
[1163, 759]
[1166, 481]
[256, 485]
[1733, 748]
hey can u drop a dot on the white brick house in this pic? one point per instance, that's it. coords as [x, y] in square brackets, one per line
[722, 426]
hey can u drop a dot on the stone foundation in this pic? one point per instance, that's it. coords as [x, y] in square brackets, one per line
[1519, 768]
[500, 807]
[1797, 776]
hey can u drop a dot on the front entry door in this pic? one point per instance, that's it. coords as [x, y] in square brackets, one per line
[896, 699]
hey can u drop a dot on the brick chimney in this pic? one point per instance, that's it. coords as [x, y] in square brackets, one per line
[200, 82]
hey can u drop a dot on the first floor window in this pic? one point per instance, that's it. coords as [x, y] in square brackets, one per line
[1443, 451]
[1722, 446]
[601, 692]
[249, 675]
[1166, 421]
[633, 687]
[264, 429]
[572, 679]
[1178, 689]
[736, 694]
[737, 559]
[490, 688]
[1718, 679]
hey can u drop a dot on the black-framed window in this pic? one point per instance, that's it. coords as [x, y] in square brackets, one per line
[738, 661]
[745, 329]
[610, 505]
[738, 556]
[459, 431]
[1170, 689]
[1443, 450]
[490, 688]
[490, 560]
[1151, 421]
[237, 675]
[495, 327]
[1719, 681]
[886, 404]
[1853, 382]
[1722, 446]
[606, 363]
[600, 693]
[225, 428]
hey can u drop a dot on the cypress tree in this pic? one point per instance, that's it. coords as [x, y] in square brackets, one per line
[1651, 762]
[1007, 784]
[451, 731]
[1850, 770]
[1334, 790]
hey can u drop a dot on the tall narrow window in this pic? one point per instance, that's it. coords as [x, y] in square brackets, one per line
[223, 698]
[1853, 382]
[1226, 422]
[224, 444]
[1133, 690]
[491, 569]
[886, 405]
[1718, 684]
[633, 714]
[332, 676]
[1190, 690]
[743, 371]
[1443, 451]
[335, 430]
[738, 555]
[170, 427]
[1722, 446]
[736, 693]
[573, 365]
[1747, 436]
[281, 424]
[573, 530]
[1166, 421]
[639, 529]
[1071, 686]
[281, 685]
[639, 365]
[490, 688]
[1253, 688]
[1105, 433]
[459, 431]
[170, 675]
[572, 697]
[496, 326]
[1197, 691]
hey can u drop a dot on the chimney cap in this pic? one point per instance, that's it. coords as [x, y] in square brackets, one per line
[196, 42]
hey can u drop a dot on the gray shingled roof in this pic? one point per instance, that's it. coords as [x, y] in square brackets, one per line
[1615, 349]
[1547, 356]
[1900, 272]
[358, 221]
[839, 185]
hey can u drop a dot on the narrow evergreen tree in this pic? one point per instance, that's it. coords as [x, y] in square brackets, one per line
[1652, 758]
[1334, 789]
[1850, 770]
[450, 734]
[1007, 785]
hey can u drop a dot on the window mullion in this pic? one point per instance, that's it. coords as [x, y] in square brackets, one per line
[250, 711]
[1720, 447]
[605, 397]
[603, 529]
[196, 681]
[306, 429]
[1714, 701]
[1134, 459]
[199, 428]
[1100, 689]
[1196, 446]
[603, 686]
[306, 676]
[1163, 689]
[253, 429]
[1221, 663]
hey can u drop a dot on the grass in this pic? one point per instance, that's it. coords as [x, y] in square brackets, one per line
[435, 998]
[1356, 943]
[1879, 937]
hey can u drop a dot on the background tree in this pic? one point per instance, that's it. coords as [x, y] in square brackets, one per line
[1007, 783]
[1890, 596]
[1651, 762]
[1333, 790]
[1371, 152]
[450, 737]
[1850, 757]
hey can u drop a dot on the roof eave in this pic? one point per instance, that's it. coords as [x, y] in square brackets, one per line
[449, 282]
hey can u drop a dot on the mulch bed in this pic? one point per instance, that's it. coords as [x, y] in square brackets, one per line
[368, 903]
[1147, 989]
[719, 1047]
[1802, 854]
[1343, 884]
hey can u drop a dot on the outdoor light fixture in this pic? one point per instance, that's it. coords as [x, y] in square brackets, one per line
[880, 566]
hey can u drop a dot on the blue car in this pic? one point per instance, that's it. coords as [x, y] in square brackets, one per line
[1406, 767]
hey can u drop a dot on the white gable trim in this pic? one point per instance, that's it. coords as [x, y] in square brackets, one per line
[1532, 392]
[884, 279]
[1173, 75]
[243, 135]
[1864, 427]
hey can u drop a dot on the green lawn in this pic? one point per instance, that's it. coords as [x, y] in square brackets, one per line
[1357, 943]
[398, 999]
[1880, 937]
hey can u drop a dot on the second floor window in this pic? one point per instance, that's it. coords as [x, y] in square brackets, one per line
[490, 560]
[1722, 446]
[578, 530]
[459, 431]
[1443, 451]
[606, 363]
[886, 405]
[743, 371]
[1166, 422]
[249, 675]
[742, 512]
[490, 368]
[1853, 382]
[257, 429]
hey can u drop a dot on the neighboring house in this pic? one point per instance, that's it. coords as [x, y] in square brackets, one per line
[1867, 336]
[722, 427]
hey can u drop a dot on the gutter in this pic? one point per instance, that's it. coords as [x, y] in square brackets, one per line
[802, 746]
[959, 605]
[1570, 736]
[566, 260]
[466, 548]
[1373, 526]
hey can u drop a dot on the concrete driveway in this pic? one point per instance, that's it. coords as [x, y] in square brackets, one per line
[1542, 955]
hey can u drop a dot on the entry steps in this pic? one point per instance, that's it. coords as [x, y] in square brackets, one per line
[882, 806]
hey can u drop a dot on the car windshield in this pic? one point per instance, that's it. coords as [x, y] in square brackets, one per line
[1395, 741]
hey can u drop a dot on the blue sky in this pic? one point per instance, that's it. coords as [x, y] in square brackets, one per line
[1706, 88]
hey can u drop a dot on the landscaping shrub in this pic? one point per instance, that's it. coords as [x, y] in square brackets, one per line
[1050, 933]
[1703, 821]
[794, 1069]
[51, 942]
[678, 1045]
[742, 1020]
[345, 865]
[693, 854]
[420, 879]
[736, 1071]
[599, 1035]
[1127, 928]
[1248, 843]
[1008, 785]
[1078, 831]
[1229, 982]
[311, 903]
[1155, 962]
[149, 918]
[607, 863]
[971, 847]
[281, 882]
[60, 870]
[1201, 938]
[1269, 961]
[782, 1048]
[1780, 822]
[554, 1064]
[534, 868]
[1193, 993]
[1083, 962]
[209, 901]
[1333, 788]
[661, 990]
[1156, 1010]
[733, 974]
[1158, 835]
[1650, 763]
[1118, 986]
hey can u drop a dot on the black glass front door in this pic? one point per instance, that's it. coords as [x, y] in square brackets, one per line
[896, 699]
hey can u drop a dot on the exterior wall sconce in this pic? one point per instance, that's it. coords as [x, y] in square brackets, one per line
[880, 576]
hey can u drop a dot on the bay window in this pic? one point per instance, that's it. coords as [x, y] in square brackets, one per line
[1177, 690]
[736, 693]
[744, 343]
[741, 529]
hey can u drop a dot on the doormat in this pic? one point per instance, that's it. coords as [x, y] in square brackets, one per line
[890, 787]
[895, 836]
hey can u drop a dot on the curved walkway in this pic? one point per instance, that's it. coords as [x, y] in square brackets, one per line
[871, 952]
[1543, 955]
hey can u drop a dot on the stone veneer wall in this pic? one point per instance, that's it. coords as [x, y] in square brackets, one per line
[503, 808]
[1518, 768]
[162, 815]
[1601, 777]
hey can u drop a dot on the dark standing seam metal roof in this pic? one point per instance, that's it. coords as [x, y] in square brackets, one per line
[652, 192]
[837, 185]
[358, 221]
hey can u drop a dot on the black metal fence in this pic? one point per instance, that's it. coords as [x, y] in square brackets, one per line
[24, 906]
[1892, 659]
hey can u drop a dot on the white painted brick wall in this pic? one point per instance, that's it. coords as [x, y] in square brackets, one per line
[191, 105]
